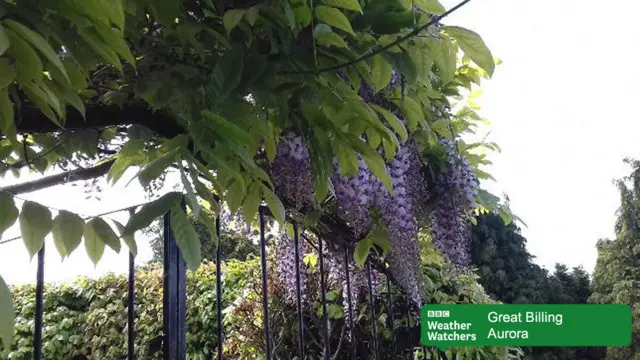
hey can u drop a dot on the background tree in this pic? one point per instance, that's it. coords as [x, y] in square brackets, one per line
[617, 272]
[509, 274]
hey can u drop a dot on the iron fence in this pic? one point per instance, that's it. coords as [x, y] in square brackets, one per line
[174, 341]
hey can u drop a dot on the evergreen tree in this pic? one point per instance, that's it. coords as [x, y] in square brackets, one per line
[508, 273]
[617, 272]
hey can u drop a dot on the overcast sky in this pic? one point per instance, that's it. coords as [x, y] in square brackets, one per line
[561, 105]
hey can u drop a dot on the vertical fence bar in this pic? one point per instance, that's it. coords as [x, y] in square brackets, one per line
[352, 330]
[391, 319]
[37, 339]
[219, 288]
[131, 305]
[131, 310]
[265, 295]
[296, 245]
[174, 296]
[373, 311]
[323, 294]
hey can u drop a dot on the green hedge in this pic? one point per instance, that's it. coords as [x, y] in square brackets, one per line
[90, 316]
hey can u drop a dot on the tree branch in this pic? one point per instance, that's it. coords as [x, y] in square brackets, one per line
[58, 179]
[31, 120]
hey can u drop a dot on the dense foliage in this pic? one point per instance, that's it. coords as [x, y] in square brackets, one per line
[360, 92]
[89, 316]
[508, 273]
[617, 274]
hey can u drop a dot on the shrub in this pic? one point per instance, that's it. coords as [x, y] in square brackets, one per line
[89, 316]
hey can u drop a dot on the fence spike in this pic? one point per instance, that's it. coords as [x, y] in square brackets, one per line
[219, 289]
[131, 310]
[296, 244]
[323, 294]
[265, 295]
[391, 319]
[373, 311]
[37, 341]
[349, 304]
[131, 305]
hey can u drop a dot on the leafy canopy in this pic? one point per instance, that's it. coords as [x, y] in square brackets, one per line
[207, 87]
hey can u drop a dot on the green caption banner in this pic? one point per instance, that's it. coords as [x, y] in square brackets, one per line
[446, 325]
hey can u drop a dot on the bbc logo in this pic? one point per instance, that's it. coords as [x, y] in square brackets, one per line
[438, 313]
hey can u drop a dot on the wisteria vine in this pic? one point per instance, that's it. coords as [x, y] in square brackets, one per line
[363, 202]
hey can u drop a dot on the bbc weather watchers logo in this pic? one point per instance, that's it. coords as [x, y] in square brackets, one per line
[438, 313]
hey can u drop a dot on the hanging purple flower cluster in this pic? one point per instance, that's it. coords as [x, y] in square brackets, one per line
[362, 196]
[286, 268]
[355, 195]
[291, 172]
[399, 217]
[456, 190]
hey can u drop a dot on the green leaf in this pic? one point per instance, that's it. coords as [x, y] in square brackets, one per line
[7, 315]
[373, 138]
[93, 244]
[151, 211]
[76, 75]
[8, 210]
[227, 73]
[331, 39]
[473, 45]
[373, 160]
[186, 237]
[310, 259]
[94, 40]
[235, 195]
[232, 18]
[205, 219]
[222, 166]
[347, 159]
[380, 72]
[28, 64]
[251, 202]
[506, 215]
[353, 5]
[131, 153]
[444, 56]
[227, 129]
[393, 121]
[378, 236]
[333, 17]
[7, 122]
[191, 195]
[67, 232]
[412, 112]
[40, 43]
[441, 126]
[4, 41]
[117, 42]
[35, 224]
[157, 166]
[252, 14]
[361, 251]
[431, 6]
[105, 233]
[129, 240]
[274, 204]
[8, 72]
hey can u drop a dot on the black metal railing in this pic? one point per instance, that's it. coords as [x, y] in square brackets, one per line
[175, 294]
